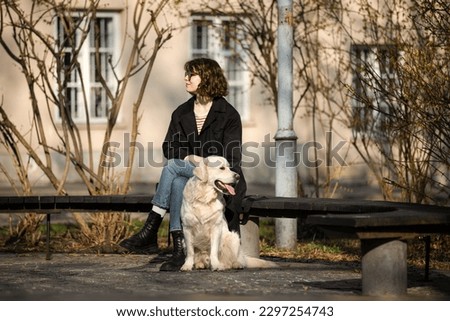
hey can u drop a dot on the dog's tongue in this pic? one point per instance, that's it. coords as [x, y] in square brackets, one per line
[230, 189]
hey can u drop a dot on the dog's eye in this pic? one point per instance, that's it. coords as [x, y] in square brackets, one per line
[222, 168]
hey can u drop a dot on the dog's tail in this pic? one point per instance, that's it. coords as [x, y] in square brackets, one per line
[255, 263]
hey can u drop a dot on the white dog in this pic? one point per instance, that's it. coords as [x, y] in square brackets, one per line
[209, 243]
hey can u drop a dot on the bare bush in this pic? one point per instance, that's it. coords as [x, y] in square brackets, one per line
[48, 63]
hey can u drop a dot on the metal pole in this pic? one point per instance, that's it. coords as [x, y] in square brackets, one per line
[285, 138]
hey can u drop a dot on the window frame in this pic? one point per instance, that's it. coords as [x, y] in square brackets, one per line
[212, 47]
[87, 70]
[369, 69]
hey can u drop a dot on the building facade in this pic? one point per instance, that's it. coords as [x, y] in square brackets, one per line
[330, 53]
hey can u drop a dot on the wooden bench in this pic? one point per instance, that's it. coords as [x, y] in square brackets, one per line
[382, 227]
[383, 246]
[51, 205]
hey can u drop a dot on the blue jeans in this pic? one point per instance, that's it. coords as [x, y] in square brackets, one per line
[169, 194]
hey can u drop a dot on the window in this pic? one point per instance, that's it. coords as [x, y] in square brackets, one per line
[215, 37]
[374, 86]
[85, 93]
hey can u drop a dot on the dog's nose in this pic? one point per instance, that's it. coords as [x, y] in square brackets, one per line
[237, 177]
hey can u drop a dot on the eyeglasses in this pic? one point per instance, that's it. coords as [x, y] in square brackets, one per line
[189, 74]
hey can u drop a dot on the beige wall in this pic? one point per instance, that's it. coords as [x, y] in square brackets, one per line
[164, 93]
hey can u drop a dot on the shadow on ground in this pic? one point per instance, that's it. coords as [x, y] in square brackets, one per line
[136, 277]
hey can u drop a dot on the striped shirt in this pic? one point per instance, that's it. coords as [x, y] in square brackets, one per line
[201, 112]
[200, 120]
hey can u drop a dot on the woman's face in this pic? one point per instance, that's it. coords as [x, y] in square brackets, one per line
[191, 80]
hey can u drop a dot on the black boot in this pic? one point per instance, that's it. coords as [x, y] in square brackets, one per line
[178, 256]
[146, 240]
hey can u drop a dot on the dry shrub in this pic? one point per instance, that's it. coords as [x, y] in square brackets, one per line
[26, 230]
[439, 252]
[102, 231]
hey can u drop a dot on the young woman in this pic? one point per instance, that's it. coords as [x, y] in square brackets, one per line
[204, 125]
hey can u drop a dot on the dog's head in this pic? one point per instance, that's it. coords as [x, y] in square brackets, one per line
[215, 171]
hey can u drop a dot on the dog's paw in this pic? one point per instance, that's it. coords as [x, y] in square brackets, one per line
[200, 266]
[218, 267]
[186, 267]
[188, 264]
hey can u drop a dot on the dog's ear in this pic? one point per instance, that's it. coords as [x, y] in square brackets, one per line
[201, 171]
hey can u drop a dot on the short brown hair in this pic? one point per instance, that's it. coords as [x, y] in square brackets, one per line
[213, 82]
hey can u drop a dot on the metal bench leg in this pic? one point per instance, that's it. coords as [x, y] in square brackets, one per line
[384, 267]
[48, 254]
[427, 257]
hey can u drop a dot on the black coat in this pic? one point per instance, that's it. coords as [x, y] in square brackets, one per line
[221, 135]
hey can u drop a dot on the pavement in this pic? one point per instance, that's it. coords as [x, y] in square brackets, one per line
[123, 277]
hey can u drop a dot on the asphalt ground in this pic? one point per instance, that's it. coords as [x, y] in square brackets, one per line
[123, 277]
[29, 276]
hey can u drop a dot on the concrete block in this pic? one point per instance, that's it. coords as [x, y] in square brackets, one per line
[384, 267]
[250, 237]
